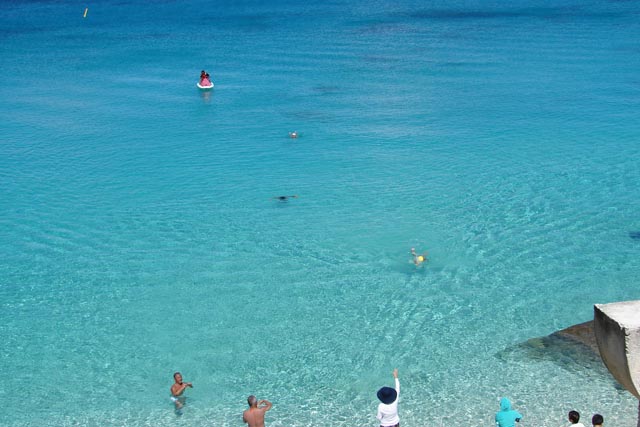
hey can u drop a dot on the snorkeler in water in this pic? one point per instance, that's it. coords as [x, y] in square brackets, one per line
[418, 259]
[285, 198]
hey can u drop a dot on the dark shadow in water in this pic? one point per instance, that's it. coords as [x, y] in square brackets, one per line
[206, 95]
[309, 115]
[562, 12]
[573, 349]
[635, 235]
[326, 89]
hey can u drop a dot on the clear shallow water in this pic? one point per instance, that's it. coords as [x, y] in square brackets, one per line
[138, 236]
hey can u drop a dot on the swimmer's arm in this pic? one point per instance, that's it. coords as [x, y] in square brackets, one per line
[177, 391]
[397, 381]
[266, 403]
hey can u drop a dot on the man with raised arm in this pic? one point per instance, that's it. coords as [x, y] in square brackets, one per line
[254, 416]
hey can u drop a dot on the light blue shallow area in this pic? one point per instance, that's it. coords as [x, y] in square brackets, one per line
[138, 234]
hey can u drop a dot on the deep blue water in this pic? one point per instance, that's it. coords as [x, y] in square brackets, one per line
[138, 234]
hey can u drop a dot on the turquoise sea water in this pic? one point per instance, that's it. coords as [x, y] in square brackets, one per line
[138, 236]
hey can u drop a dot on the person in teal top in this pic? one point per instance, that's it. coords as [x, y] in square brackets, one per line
[507, 417]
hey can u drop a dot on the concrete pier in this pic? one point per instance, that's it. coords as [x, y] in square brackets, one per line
[617, 330]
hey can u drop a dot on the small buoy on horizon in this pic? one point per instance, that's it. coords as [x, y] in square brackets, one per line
[85, 12]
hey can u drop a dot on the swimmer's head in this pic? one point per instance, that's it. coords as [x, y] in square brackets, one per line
[420, 258]
[252, 400]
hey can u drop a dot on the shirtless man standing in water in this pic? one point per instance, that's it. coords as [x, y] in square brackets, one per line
[254, 416]
[177, 390]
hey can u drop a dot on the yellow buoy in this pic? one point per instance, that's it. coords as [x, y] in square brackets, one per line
[85, 12]
[420, 258]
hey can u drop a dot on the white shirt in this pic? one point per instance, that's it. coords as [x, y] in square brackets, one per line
[388, 414]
